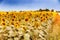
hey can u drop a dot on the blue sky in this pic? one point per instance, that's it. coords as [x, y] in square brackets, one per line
[9, 5]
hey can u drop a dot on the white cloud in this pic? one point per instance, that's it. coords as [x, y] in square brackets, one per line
[46, 0]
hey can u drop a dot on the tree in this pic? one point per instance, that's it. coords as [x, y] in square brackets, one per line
[52, 10]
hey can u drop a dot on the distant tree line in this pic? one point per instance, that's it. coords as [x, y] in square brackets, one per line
[46, 10]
